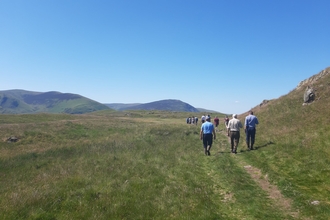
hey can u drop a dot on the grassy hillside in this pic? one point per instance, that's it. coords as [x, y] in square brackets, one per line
[21, 101]
[151, 165]
[293, 146]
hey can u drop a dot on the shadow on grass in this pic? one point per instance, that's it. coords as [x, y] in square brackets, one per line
[265, 145]
[258, 147]
[244, 150]
[224, 152]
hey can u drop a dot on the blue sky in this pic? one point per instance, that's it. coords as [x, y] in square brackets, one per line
[221, 55]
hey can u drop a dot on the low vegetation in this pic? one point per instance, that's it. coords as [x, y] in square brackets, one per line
[151, 165]
[121, 165]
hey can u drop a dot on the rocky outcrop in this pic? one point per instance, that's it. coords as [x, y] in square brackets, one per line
[264, 102]
[310, 81]
[311, 86]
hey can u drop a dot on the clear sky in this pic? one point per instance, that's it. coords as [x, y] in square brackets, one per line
[223, 55]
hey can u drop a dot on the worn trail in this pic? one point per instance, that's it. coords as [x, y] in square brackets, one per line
[282, 203]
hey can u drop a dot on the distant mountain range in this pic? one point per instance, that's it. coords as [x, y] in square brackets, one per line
[158, 105]
[22, 101]
[164, 105]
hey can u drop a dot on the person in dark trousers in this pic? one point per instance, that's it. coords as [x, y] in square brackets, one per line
[233, 128]
[250, 129]
[216, 122]
[207, 135]
[203, 119]
[226, 123]
[196, 120]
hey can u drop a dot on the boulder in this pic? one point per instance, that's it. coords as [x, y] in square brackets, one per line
[309, 95]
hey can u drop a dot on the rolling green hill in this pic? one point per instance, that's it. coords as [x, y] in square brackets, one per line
[21, 102]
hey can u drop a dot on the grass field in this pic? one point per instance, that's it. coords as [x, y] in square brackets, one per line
[150, 165]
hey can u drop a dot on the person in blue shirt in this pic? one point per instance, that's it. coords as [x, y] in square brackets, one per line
[207, 135]
[251, 122]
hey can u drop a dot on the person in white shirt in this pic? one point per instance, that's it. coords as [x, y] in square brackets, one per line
[203, 119]
[233, 128]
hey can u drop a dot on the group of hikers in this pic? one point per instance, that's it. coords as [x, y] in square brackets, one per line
[233, 126]
[192, 120]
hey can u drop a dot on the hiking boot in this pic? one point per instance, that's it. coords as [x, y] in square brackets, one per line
[208, 153]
